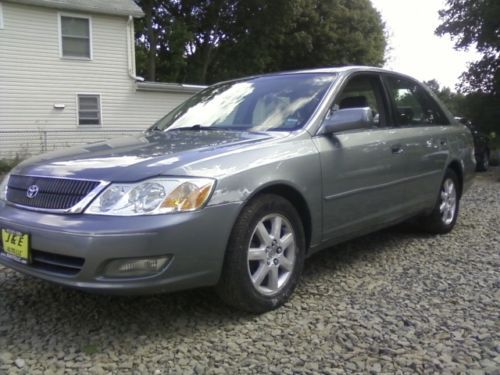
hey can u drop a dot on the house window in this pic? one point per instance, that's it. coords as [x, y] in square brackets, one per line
[75, 37]
[1, 16]
[89, 109]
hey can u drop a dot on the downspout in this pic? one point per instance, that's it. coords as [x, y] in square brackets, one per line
[131, 50]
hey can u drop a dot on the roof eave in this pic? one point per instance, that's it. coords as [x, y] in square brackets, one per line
[136, 13]
[169, 87]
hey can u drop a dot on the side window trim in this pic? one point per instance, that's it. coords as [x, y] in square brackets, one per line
[389, 121]
[390, 99]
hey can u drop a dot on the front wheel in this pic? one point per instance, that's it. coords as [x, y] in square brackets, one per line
[443, 217]
[265, 255]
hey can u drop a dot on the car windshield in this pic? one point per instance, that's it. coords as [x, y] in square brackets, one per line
[280, 102]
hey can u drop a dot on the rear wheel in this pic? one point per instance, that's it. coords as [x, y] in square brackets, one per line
[443, 217]
[484, 162]
[264, 257]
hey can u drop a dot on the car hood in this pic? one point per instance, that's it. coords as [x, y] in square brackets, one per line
[134, 158]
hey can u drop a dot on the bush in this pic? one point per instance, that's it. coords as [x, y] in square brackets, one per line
[7, 164]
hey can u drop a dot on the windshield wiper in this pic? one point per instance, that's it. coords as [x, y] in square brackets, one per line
[198, 127]
[154, 128]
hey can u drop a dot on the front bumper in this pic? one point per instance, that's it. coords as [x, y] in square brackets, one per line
[195, 240]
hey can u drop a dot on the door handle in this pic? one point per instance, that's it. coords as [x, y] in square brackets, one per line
[396, 149]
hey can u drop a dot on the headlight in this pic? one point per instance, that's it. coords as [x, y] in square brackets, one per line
[153, 197]
[3, 188]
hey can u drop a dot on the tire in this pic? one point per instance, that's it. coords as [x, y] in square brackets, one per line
[261, 269]
[484, 162]
[444, 215]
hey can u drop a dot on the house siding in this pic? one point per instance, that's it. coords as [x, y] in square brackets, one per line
[33, 77]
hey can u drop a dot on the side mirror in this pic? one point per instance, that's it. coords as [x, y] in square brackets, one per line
[348, 119]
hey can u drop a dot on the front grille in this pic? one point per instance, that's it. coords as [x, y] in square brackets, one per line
[53, 193]
[56, 263]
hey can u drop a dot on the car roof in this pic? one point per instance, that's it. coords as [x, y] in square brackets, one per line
[340, 70]
[334, 70]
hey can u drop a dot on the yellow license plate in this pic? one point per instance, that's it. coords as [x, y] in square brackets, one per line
[16, 245]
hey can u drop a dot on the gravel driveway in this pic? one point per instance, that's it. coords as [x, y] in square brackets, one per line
[396, 302]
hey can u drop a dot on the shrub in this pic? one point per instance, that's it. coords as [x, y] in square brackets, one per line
[7, 164]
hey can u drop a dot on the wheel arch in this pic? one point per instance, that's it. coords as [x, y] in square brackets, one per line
[296, 199]
[456, 167]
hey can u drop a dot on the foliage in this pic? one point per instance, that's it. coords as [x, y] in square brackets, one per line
[452, 100]
[7, 164]
[476, 23]
[482, 109]
[203, 41]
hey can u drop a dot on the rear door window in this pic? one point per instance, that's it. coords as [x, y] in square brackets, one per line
[413, 106]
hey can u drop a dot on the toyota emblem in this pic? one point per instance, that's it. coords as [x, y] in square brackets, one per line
[32, 191]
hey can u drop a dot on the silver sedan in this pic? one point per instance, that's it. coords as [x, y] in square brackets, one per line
[238, 185]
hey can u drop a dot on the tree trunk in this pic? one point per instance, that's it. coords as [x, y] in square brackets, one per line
[206, 61]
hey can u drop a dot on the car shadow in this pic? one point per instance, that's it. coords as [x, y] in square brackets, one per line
[34, 309]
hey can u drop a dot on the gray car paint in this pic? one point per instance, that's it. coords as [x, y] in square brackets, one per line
[351, 182]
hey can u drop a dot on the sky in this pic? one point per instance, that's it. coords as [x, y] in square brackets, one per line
[414, 48]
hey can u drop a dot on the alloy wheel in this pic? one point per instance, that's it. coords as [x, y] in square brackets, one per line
[448, 205]
[271, 254]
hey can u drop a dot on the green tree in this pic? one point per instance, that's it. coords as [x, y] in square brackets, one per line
[476, 23]
[452, 100]
[161, 40]
[204, 41]
[482, 109]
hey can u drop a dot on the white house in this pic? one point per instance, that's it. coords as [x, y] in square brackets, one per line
[67, 75]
